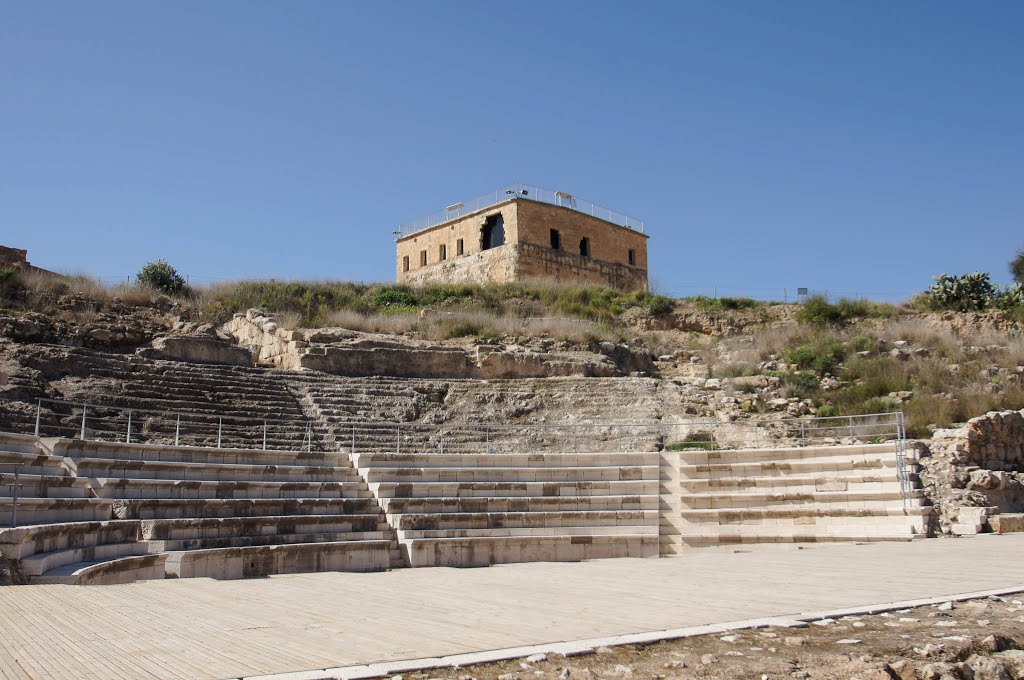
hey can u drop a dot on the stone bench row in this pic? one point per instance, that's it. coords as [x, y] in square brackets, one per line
[211, 472]
[194, 454]
[229, 563]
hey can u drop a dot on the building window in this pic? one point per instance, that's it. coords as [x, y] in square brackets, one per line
[556, 240]
[460, 247]
[423, 258]
[632, 256]
[492, 234]
[585, 247]
[405, 263]
[442, 252]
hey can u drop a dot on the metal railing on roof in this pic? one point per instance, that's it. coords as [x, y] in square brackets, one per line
[520, 191]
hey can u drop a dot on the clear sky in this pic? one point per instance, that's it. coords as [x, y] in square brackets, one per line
[855, 147]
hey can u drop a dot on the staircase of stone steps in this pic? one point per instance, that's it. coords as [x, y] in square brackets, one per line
[203, 405]
[150, 511]
[787, 496]
[481, 509]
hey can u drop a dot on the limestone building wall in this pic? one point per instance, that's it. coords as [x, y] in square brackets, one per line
[430, 241]
[590, 250]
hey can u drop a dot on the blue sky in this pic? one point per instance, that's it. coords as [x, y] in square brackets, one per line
[854, 147]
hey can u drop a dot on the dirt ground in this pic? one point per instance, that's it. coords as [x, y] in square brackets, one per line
[972, 640]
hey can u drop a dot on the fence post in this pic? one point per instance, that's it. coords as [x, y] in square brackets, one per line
[177, 430]
[353, 438]
[309, 431]
[128, 437]
[83, 422]
[851, 427]
[14, 503]
[264, 435]
[220, 428]
[398, 438]
[39, 413]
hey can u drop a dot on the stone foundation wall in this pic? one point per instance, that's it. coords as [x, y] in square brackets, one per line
[976, 470]
[349, 353]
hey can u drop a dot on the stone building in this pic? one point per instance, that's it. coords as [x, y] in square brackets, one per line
[522, 233]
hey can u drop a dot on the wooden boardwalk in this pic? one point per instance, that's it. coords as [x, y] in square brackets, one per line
[199, 628]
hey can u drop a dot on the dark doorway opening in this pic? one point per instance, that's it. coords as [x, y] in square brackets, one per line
[556, 240]
[585, 247]
[492, 234]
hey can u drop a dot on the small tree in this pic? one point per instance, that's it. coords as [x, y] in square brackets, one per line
[1017, 267]
[161, 276]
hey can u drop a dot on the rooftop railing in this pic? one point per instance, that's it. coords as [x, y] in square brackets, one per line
[520, 191]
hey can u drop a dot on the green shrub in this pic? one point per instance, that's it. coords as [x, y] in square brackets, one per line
[822, 355]
[1017, 267]
[968, 293]
[7, 274]
[694, 440]
[709, 304]
[802, 384]
[159, 275]
[394, 297]
[818, 311]
[827, 411]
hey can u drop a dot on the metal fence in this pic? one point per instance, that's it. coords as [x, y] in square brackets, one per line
[98, 422]
[14, 487]
[528, 192]
[102, 422]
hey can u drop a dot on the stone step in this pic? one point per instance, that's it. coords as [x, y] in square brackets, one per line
[48, 510]
[224, 508]
[43, 563]
[515, 489]
[812, 534]
[19, 443]
[793, 485]
[107, 572]
[806, 515]
[187, 544]
[748, 456]
[614, 530]
[130, 489]
[499, 504]
[503, 460]
[36, 463]
[486, 520]
[260, 561]
[193, 528]
[515, 474]
[96, 467]
[768, 499]
[482, 552]
[77, 448]
[809, 466]
[42, 486]
[26, 540]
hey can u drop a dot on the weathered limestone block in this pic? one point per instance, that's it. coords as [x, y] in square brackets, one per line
[1006, 524]
[197, 349]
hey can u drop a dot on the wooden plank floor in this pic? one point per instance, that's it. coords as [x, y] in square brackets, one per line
[200, 628]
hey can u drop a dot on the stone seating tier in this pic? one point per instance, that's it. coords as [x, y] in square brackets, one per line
[196, 454]
[195, 516]
[478, 509]
[783, 496]
[181, 508]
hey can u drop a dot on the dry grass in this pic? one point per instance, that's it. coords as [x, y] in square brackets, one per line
[395, 324]
[43, 285]
[479, 324]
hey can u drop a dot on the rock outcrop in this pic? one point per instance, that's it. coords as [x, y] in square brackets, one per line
[345, 352]
[977, 470]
